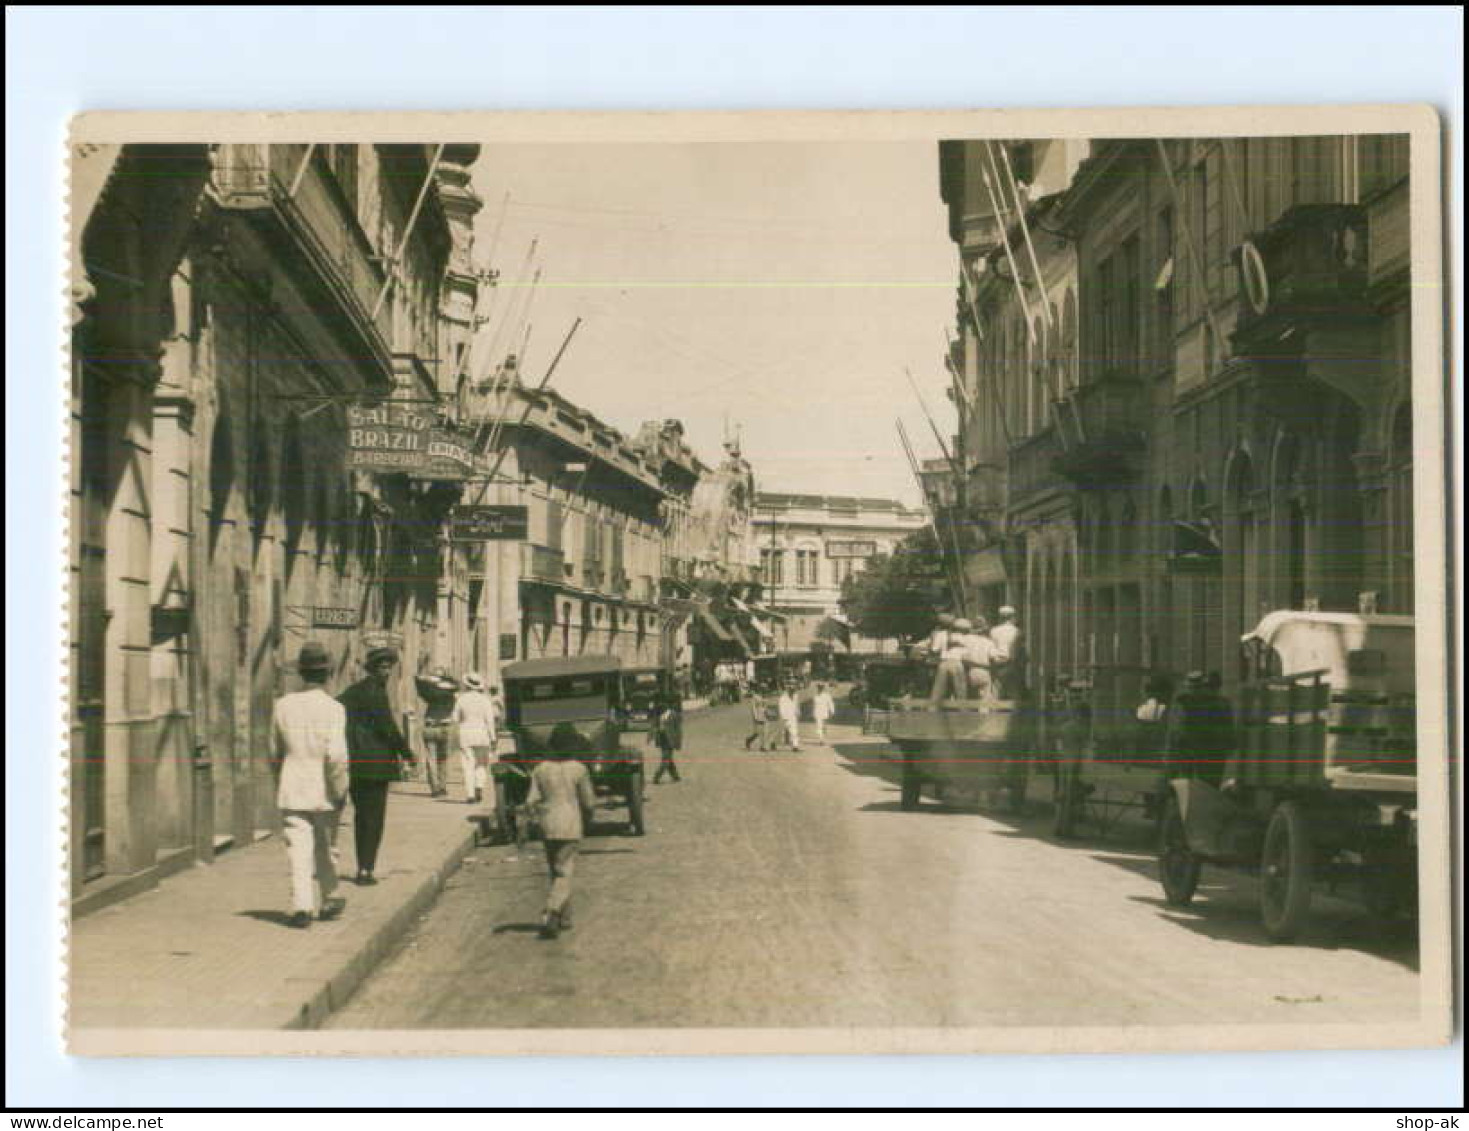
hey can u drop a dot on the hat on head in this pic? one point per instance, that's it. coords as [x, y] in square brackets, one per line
[314, 657]
[1195, 679]
[1007, 610]
[382, 652]
[473, 681]
[946, 619]
[963, 625]
[441, 672]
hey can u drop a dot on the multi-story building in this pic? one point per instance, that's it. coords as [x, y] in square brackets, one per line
[1230, 426]
[1014, 364]
[223, 508]
[810, 544]
[586, 580]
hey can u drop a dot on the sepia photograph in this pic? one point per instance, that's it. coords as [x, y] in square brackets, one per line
[760, 583]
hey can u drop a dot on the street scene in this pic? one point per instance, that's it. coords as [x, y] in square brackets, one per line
[958, 583]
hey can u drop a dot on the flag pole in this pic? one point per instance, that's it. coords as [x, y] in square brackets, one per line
[433, 167]
[955, 576]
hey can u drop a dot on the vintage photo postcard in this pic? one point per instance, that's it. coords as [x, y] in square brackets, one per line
[757, 583]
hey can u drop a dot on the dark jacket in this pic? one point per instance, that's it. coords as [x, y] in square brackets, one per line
[668, 729]
[374, 742]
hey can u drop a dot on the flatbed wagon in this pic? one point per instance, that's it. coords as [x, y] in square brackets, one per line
[976, 747]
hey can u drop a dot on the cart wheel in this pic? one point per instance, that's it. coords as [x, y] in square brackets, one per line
[635, 802]
[912, 789]
[1178, 867]
[1066, 813]
[1285, 873]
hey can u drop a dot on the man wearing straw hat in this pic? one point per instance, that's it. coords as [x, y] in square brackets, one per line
[310, 739]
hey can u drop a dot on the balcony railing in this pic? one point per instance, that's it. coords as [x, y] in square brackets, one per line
[1309, 266]
[324, 224]
[1032, 467]
[542, 563]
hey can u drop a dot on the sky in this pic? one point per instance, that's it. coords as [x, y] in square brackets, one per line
[778, 290]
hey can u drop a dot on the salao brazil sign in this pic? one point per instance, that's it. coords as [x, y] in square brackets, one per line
[402, 439]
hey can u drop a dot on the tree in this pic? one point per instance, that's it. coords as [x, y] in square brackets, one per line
[898, 595]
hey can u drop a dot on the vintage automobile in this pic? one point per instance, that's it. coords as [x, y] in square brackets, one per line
[981, 748]
[567, 707]
[1323, 784]
[884, 678]
[642, 688]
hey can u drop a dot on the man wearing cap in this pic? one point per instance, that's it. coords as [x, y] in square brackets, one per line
[377, 749]
[474, 719]
[1007, 660]
[949, 681]
[310, 761]
[438, 692]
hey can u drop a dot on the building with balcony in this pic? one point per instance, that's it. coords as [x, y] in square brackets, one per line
[221, 518]
[587, 577]
[1015, 364]
[1233, 426]
[809, 545]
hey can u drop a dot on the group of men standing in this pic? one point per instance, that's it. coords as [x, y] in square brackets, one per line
[329, 750]
[976, 661]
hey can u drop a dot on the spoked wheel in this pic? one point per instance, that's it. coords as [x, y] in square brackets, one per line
[1285, 872]
[1067, 812]
[635, 803]
[1178, 867]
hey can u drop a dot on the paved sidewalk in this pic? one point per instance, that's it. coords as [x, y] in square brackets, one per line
[209, 949]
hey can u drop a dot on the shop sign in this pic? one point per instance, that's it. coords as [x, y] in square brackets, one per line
[491, 523]
[851, 549]
[325, 616]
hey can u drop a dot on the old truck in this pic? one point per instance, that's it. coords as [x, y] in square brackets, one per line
[1322, 785]
[977, 747]
[568, 707]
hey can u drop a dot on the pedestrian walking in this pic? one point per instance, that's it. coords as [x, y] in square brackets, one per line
[562, 798]
[310, 760]
[438, 692]
[475, 726]
[667, 734]
[378, 755]
[757, 719]
[823, 707]
[790, 717]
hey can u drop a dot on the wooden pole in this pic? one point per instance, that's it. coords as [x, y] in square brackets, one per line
[433, 167]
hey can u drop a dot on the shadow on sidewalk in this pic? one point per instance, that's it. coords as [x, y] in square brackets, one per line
[279, 918]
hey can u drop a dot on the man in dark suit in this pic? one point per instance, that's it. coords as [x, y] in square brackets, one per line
[376, 749]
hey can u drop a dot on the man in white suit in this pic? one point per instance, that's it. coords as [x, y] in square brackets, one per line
[311, 762]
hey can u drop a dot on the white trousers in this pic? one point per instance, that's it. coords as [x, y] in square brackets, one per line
[821, 731]
[309, 835]
[793, 733]
[475, 762]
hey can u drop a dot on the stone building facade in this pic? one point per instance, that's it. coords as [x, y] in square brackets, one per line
[809, 545]
[219, 517]
[1233, 430]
